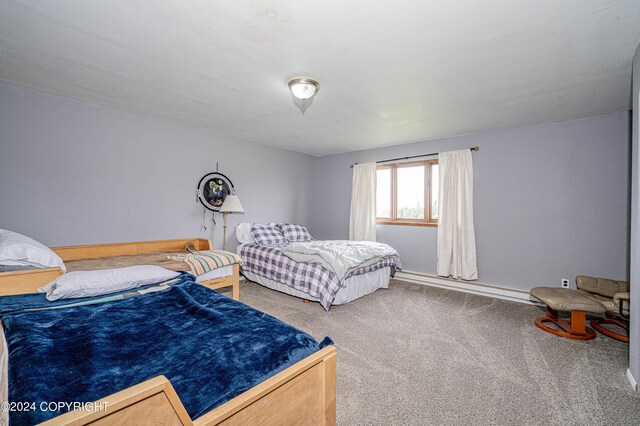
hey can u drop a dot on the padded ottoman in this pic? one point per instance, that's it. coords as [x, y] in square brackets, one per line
[567, 300]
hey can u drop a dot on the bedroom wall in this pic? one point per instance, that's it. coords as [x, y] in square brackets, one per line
[634, 332]
[551, 201]
[77, 173]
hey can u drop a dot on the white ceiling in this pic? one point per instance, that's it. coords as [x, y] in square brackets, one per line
[390, 71]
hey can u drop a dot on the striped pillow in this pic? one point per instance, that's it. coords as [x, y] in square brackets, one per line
[205, 261]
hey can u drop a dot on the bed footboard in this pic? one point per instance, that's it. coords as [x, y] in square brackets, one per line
[151, 402]
[304, 393]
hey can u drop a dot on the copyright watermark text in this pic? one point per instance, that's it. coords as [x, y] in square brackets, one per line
[54, 406]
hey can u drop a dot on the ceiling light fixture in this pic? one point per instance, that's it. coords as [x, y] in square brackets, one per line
[303, 89]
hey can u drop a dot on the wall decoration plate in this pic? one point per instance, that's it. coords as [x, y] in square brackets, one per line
[213, 188]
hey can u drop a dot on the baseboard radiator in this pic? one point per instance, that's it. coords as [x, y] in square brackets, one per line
[467, 287]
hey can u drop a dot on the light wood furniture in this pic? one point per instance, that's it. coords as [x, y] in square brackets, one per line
[304, 393]
[154, 400]
[28, 281]
[95, 251]
[16, 283]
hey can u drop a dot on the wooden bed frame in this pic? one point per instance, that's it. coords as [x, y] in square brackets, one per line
[28, 281]
[304, 393]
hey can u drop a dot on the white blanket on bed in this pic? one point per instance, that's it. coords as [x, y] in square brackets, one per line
[340, 256]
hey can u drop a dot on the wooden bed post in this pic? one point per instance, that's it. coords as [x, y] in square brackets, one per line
[329, 382]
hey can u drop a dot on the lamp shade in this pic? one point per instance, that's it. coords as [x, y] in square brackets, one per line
[231, 204]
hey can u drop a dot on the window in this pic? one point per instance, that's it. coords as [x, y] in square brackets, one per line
[407, 193]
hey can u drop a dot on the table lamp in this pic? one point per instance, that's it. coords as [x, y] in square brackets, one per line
[231, 205]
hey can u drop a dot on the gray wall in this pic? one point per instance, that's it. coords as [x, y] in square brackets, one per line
[76, 173]
[634, 347]
[551, 201]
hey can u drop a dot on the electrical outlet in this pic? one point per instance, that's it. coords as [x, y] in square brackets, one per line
[565, 283]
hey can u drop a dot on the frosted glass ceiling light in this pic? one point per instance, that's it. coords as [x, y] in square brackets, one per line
[304, 90]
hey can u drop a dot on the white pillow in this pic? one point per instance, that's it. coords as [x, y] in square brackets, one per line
[17, 249]
[224, 271]
[243, 233]
[95, 283]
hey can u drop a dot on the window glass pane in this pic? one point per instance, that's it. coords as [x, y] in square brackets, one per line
[410, 192]
[435, 190]
[383, 193]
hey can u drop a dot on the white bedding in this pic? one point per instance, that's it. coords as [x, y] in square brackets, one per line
[20, 250]
[340, 256]
[224, 271]
[104, 281]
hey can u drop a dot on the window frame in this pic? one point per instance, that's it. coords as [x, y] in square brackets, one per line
[394, 220]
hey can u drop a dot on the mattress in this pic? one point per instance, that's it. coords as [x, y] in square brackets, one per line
[159, 258]
[310, 278]
[354, 287]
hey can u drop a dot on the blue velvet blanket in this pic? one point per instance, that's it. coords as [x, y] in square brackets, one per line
[210, 347]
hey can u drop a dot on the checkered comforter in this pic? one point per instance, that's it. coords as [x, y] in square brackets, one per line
[309, 277]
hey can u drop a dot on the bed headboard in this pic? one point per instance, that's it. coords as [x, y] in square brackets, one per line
[28, 281]
[96, 251]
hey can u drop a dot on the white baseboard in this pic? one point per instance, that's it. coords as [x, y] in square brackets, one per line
[634, 384]
[467, 287]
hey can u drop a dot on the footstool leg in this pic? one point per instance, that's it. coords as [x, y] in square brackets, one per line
[596, 324]
[576, 329]
[578, 323]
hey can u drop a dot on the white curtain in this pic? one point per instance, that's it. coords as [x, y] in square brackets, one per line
[456, 234]
[362, 222]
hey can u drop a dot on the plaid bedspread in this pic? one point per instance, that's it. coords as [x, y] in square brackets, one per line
[309, 277]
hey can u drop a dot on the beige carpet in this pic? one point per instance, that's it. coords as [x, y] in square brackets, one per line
[414, 354]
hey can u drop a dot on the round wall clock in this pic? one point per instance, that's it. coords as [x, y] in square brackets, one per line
[213, 188]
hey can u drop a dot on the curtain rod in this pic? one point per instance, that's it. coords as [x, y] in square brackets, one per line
[473, 148]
